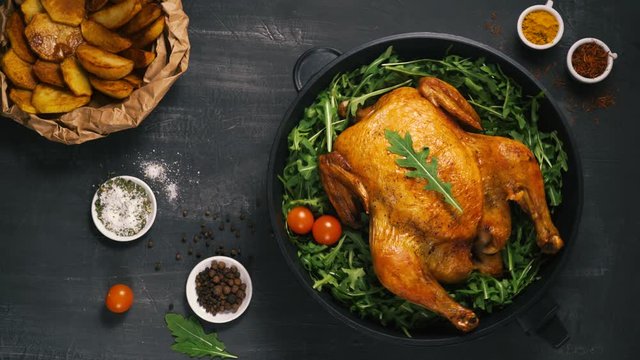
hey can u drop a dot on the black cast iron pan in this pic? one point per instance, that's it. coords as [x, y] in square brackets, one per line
[533, 309]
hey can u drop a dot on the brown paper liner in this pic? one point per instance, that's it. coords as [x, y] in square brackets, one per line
[94, 121]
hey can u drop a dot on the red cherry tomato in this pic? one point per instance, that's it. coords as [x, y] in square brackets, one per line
[300, 220]
[327, 230]
[119, 298]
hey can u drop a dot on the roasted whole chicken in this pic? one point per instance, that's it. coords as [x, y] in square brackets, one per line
[417, 240]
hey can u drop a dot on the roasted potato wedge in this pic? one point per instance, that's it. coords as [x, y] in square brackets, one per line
[140, 58]
[52, 41]
[30, 8]
[149, 34]
[15, 32]
[18, 71]
[48, 72]
[103, 64]
[75, 78]
[100, 36]
[68, 12]
[95, 5]
[117, 89]
[149, 13]
[116, 15]
[134, 80]
[49, 100]
[22, 98]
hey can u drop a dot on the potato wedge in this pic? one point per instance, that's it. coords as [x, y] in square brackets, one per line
[22, 98]
[140, 58]
[95, 5]
[116, 15]
[49, 100]
[48, 72]
[102, 63]
[134, 80]
[149, 34]
[75, 78]
[149, 13]
[117, 89]
[15, 32]
[52, 41]
[30, 8]
[68, 12]
[100, 36]
[18, 71]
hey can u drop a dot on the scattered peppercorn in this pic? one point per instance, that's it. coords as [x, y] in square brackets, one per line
[221, 226]
[198, 256]
[178, 256]
[170, 307]
[157, 267]
[207, 213]
[190, 251]
[150, 243]
[185, 213]
[216, 298]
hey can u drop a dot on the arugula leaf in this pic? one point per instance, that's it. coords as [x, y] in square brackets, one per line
[192, 340]
[423, 168]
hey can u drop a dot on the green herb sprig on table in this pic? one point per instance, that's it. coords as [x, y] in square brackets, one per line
[345, 270]
[423, 168]
[192, 340]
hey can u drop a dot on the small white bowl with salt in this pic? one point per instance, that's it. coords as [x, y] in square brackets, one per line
[123, 208]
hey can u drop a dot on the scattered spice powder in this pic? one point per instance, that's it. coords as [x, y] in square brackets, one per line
[590, 60]
[492, 26]
[540, 27]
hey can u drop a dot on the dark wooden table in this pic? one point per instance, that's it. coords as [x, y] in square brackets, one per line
[215, 128]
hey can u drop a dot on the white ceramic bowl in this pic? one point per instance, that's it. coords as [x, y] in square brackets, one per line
[548, 7]
[607, 70]
[192, 296]
[113, 236]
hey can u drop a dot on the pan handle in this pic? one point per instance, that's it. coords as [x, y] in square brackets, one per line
[311, 62]
[542, 319]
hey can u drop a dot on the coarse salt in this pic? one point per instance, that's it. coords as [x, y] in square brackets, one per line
[123, 207]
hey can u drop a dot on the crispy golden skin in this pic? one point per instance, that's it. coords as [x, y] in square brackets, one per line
[117, 89]
[15, 32]
[30, 8]
[140, 58]
[100, 36]
[50, 40]
[148, 35]
[95, 5]
[18, 71]
[75, 77]
[417, 240]
[103, 64]
[49, 99]
[22, 98]
[134, 80]
[69, 12]
[149, 13]
[48, 72]
[116, 15]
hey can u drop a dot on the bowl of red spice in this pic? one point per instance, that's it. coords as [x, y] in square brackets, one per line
[590, 60]
[540, 26]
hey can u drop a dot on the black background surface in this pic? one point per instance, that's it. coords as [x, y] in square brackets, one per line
[215, 128]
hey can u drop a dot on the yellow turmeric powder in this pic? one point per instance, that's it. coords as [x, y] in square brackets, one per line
[540, 27]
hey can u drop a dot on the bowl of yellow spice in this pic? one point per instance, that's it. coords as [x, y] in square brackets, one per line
[540, 26]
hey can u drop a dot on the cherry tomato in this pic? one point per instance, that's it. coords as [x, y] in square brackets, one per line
[119, 298]
[327, 230]
[300, 220]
